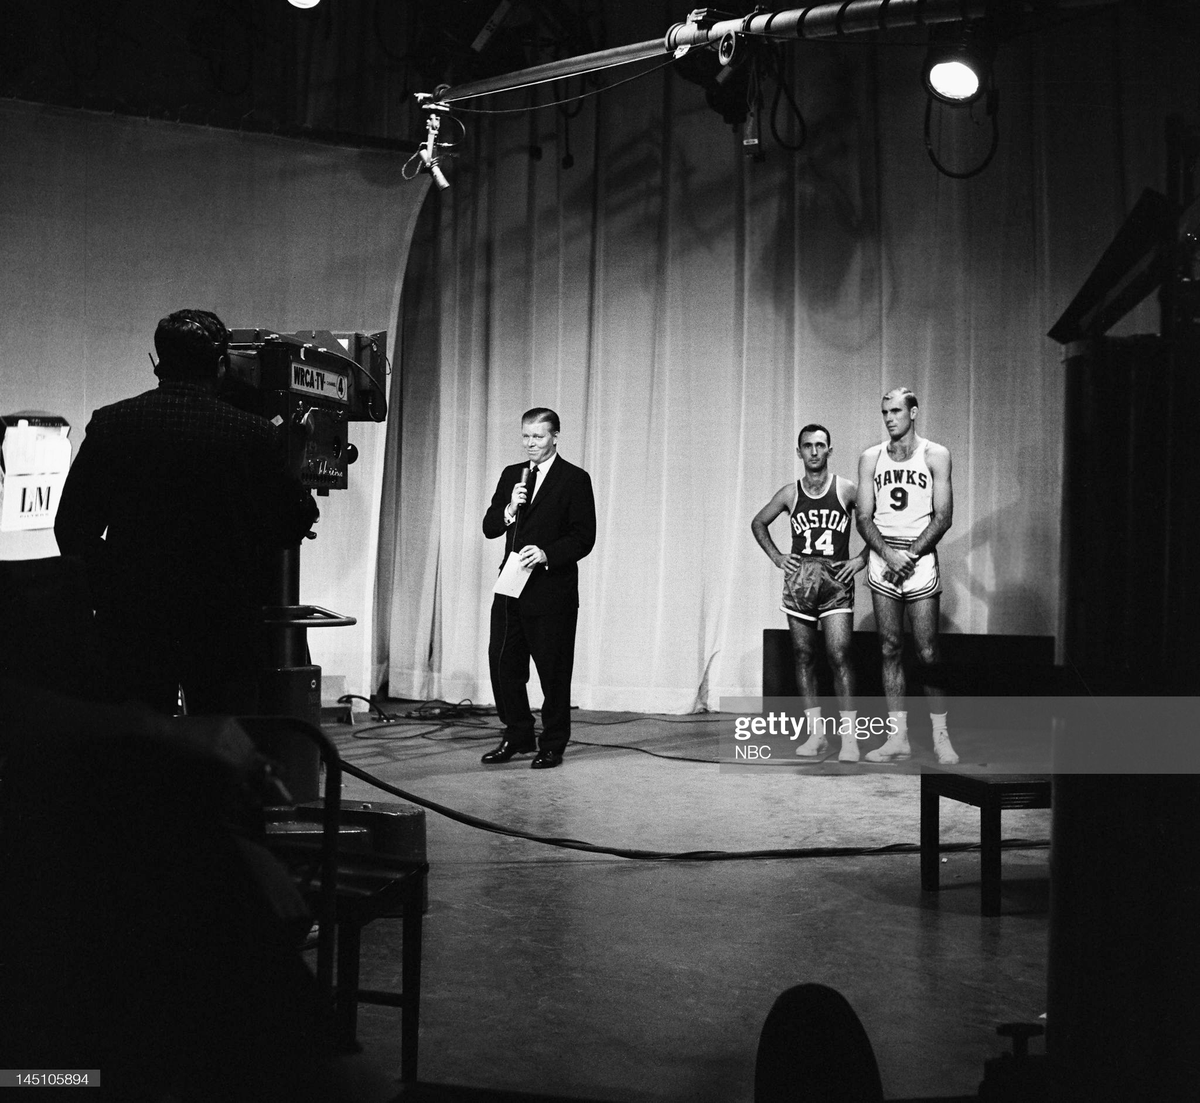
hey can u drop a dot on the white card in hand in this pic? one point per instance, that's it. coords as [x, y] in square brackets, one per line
[513, 577]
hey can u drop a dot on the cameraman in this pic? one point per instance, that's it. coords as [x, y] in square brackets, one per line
[174, 503]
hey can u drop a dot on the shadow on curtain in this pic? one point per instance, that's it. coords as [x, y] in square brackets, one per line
[686, 311]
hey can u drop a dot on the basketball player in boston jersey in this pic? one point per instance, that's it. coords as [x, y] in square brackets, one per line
[905, 506]
[818, 583]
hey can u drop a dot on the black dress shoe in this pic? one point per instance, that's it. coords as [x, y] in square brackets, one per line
[505, 751]
[545, 760]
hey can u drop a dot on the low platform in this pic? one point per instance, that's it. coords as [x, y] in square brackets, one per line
[991, 794]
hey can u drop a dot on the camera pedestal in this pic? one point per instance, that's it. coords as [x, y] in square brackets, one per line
[290, 684]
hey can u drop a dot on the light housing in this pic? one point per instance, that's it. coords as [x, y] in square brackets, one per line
[958, 65]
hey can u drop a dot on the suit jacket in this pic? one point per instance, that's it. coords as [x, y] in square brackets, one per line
[561, 520]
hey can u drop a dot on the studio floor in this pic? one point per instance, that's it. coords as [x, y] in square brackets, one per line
[567, 973]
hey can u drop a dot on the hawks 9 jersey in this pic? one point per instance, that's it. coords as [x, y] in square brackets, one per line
[821, 526]
[903, 494]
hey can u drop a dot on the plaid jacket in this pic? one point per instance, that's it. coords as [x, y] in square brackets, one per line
[172, 501]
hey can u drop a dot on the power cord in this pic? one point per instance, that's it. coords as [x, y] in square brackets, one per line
[465, 714]
[426, 710]
[672, 856]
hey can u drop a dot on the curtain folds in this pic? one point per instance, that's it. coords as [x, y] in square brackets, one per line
[686, 310]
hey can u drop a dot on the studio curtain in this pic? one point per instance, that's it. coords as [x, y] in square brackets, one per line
[686, 310]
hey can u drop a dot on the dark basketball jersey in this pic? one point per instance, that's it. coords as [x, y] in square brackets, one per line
[821, 526]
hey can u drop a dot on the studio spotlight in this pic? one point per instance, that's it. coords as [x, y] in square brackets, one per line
[304, 4]
[953, 81]
[958, 70]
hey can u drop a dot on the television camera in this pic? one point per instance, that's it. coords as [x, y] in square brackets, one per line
[312, 384]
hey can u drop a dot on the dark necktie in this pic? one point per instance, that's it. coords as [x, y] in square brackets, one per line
[531, 485]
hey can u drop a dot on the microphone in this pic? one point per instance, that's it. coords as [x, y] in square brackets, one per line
[431, 162]
[524, 481]
[429, 151]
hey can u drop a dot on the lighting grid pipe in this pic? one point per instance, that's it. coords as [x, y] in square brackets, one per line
[832, 20]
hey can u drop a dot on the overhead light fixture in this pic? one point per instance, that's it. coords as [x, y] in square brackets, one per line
[953, 81]
[958, 72]
[958, 66]
[304, 4]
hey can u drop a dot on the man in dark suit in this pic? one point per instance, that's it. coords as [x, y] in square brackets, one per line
[546, 513]
[173, 503]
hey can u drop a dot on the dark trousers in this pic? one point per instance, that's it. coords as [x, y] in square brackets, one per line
[548, 639]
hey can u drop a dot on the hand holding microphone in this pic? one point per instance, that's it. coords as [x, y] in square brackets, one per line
[520, 490]
[520, 493]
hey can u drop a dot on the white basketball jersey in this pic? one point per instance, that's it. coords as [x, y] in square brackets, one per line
[903, 494]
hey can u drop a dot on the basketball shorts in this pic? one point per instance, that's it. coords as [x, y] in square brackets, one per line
[925, 581]
[812, 591]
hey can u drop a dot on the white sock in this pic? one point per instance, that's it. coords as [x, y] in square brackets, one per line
[816, 739]
[946, 754]
[895, 746]
[848, 722]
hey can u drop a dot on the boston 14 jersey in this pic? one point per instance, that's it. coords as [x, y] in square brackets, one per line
[821, 526]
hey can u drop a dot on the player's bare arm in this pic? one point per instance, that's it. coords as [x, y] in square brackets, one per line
[784, 501]
[938, 458]
[898, 561]
[849, 493]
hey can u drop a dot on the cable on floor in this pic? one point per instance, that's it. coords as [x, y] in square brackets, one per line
[674, 856]
[465, 714]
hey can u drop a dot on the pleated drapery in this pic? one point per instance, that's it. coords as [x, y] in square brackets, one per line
[686, 310]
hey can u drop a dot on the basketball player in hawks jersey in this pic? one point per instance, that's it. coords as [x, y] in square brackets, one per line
[905, 506]
[818, 583]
